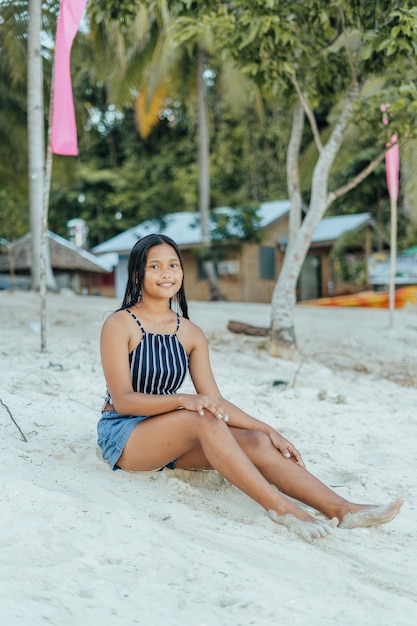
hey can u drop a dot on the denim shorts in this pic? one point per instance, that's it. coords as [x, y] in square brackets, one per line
[113, 431]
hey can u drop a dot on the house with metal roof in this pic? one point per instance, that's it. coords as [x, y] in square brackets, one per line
[185, 229]
[318, 277]
[247, 271]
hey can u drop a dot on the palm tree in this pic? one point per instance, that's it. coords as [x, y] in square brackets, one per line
[13, 125]
[36, 135]
[160, 53]
[22, 63]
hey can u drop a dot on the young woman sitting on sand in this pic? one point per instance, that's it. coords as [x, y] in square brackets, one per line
[147, 424]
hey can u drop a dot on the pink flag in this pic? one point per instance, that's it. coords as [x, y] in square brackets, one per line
[64, 129]
[392, 159]
[392, 166]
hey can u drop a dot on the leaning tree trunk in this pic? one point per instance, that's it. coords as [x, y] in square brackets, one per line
[282, 339]
[204, 178]
[293, 171]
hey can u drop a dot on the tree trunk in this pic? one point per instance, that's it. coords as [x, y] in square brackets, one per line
[293, 172]
[36, 140]
[204, 177]
[46, 265]
[283, 339]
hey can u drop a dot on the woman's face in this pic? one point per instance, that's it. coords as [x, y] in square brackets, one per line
[163, 272]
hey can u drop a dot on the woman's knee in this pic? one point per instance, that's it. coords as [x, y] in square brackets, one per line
[255, 441]
[201, 424]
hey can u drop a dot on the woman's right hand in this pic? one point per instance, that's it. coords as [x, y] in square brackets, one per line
[204, 402]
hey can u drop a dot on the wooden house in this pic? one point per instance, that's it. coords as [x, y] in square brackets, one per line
[247, 271]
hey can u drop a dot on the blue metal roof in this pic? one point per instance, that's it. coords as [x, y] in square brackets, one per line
[184, 227]
[409, 252]
[331, 228]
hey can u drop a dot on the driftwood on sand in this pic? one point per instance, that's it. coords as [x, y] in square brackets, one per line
[247, 329]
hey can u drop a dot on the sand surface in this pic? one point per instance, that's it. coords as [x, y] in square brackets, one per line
[81, 545]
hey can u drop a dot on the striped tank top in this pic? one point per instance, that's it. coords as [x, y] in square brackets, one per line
[159, 363]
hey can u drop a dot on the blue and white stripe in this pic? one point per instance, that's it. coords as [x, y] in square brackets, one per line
[159, 363]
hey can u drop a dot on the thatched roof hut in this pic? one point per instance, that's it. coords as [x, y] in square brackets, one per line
[73, 267]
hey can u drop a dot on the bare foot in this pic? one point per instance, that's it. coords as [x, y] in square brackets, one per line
[306, 530]
[369, 515]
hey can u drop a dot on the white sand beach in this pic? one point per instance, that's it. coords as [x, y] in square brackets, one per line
[81, 545]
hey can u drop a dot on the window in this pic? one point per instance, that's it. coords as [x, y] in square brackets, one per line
[201, 275]
[222, 268]
[267, 262]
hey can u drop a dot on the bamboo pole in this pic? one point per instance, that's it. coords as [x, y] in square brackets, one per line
[393, 259]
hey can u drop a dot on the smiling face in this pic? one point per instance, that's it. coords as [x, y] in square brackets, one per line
[163, 272]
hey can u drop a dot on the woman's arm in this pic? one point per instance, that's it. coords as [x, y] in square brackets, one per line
[117, 340]
[204, 382]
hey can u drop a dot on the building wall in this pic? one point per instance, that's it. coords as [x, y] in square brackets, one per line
[245, 281]
[120, 276]
[82, 283]
[255, 288]
[246, 285]
[195, 289]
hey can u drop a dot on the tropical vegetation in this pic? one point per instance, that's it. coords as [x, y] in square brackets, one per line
[292, 95]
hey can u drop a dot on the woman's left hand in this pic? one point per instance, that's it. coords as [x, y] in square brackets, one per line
[286, 447]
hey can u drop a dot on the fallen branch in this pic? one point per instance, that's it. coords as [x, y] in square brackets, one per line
[13, 420]
[247, 329]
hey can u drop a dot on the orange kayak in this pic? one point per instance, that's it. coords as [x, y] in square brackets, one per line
[376, 299]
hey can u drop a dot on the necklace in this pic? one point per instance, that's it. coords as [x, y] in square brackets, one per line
[155, 325]
[162, 326]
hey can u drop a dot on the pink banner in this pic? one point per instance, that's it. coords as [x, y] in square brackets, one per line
[392, 166]
[64, 129]
[392, 159]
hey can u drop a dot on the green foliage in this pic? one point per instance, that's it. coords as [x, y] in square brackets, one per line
[117, 10]
[120, 179]
[409, 179]
[14, 217]
[348, 257]
[247, 159]
[326, 46]
[229, 227]
[348, 252]
[410, 238]
[123, 179]
[239, 224]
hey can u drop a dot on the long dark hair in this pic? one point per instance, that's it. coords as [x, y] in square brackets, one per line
[136, 272]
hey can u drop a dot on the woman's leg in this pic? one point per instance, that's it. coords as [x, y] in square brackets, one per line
[248, 460]
[198, 442]
[297, 482]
